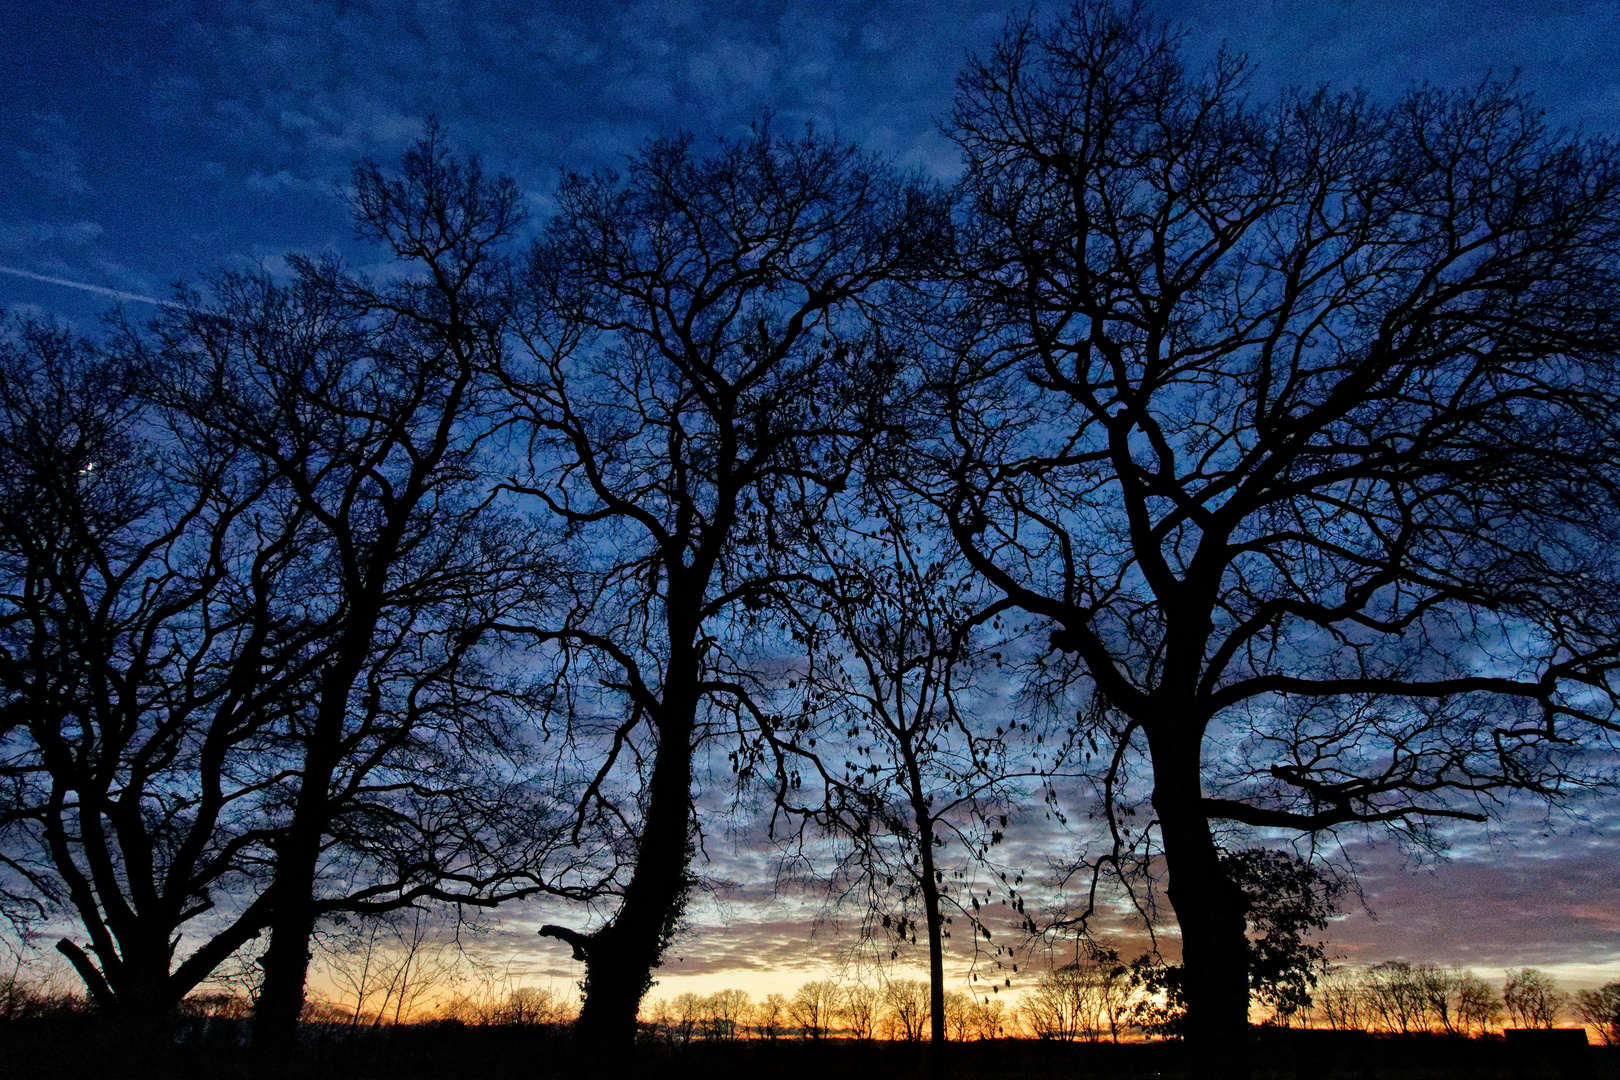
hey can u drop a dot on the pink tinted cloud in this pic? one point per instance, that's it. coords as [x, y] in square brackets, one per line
[1518, 909]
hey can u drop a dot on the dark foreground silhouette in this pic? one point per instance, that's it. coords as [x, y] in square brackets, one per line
[79, 1046]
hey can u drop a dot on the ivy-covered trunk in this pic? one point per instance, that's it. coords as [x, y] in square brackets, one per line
[621, 956]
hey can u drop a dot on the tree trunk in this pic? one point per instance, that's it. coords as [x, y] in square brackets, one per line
[94, 982]
[936, 953]
[132, 992]
[935, 921]
[621, 956]
[280, 1004]
[1210, 910]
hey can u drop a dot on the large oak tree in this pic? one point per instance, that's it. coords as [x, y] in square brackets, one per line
[1297, 421]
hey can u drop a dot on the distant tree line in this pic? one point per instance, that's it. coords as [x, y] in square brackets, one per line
[1092, 999]
[1253, 464]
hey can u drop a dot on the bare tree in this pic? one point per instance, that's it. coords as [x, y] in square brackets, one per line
[958, 1016]
[387, 962]
[1533, 999]
[1434, 985]
[1053, 1008]
[1600, 1008]
[686, 1014]
[770, 1015]
[700, 375]
[534, 1006]
[136, 656]
[858, 1008]
[1395, 998]
[1115, 992]
[1296, 423]
[813, 1008]
[908, 775]
[1477, 1004]
[1341, 1000]
[1458, 1001]
[358, 406]
[1083, 999]
[906, 1004]
[988, 1018]
[729, 1010]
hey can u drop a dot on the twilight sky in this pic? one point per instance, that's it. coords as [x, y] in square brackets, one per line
[141, 145]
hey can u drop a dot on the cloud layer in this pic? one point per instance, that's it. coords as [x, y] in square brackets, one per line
[199, 135]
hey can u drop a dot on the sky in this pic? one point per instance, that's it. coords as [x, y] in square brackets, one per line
[143, 145]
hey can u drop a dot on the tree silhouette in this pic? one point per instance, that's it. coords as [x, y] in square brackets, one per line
[358, 405]
[251, 579]
[134, 660]
[858, 1008]
[1533, 999]
[813, 1008]
[913, 773]
[1288, 898]
[1296, 423]
[769, 1016]
[699, 377]
[906, 1005]
[1601, 1009]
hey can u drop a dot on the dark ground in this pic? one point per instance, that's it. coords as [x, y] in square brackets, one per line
[79, 1047]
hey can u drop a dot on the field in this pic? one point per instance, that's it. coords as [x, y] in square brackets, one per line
[77, 1047]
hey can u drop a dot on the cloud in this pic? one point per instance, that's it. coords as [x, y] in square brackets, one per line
[1555, 49]
[1553, 905]
[27, 235]
[54, 158]
[281, 182]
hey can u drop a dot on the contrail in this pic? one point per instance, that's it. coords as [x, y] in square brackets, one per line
[117, 293]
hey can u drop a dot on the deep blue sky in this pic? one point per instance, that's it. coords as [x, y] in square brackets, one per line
[143, 144]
